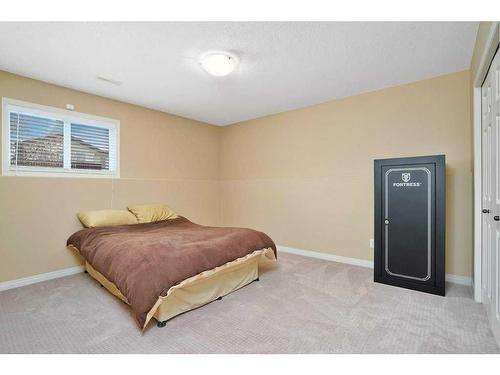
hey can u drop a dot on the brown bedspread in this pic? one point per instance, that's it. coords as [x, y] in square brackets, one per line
[145, 260]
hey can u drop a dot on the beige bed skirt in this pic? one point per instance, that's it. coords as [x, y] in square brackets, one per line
[200, 289]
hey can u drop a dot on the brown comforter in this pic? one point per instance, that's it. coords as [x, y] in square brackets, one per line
[145, 260]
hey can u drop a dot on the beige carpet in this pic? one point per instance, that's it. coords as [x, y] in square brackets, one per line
[301, 306]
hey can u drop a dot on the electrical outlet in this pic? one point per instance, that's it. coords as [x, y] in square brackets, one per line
[372, 243]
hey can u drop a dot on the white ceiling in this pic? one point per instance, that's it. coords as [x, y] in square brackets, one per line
[283, 66]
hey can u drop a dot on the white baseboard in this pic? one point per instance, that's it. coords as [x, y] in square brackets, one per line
[456, 279]
[5, 285]
[41, 277]
[324, 256]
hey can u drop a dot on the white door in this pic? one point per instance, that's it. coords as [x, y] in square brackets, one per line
[490, 127]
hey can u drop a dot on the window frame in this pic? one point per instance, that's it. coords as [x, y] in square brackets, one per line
[68, 117]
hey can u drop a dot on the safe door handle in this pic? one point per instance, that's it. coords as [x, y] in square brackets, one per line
[486, 211]
[496, 218]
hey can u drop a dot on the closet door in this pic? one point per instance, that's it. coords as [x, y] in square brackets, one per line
[490, 126]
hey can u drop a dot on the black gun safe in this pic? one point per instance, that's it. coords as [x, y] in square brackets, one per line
[410, 223]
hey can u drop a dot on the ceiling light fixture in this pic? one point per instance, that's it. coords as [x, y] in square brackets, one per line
[218, 64]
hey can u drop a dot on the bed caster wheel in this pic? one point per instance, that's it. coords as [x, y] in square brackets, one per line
[218, 299]
[161, 324]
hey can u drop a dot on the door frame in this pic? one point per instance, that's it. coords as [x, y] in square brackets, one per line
[477, 81]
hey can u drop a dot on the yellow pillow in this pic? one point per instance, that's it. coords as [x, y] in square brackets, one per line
[105, 218]
[147, 213]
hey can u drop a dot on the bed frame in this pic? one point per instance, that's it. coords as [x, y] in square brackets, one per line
[196, 291]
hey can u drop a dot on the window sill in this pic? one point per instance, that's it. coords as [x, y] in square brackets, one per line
[32, 172]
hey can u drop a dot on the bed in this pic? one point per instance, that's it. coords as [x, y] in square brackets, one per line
[168, 267]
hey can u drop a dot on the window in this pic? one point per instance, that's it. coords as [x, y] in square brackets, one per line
[46, 141]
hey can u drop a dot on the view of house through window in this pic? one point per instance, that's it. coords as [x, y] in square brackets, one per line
[48, 142]
[36, 141]
[89, 147]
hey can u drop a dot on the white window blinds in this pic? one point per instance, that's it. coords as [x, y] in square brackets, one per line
[36, 141]
[45, 141]
[89, 147]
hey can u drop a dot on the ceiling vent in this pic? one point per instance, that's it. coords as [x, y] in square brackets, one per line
[109, 80]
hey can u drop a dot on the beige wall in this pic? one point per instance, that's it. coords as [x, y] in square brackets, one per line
[306, 176]
[164, 158]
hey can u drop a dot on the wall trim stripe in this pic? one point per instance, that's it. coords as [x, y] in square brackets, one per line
[17, 283]
[455, 279]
